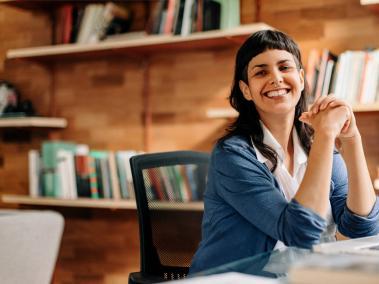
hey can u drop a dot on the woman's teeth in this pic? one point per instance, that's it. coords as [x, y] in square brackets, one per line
[276, 93]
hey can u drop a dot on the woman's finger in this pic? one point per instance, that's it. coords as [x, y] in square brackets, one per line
[316, 104]
[321, 103]
[305, 117]
[325, 103]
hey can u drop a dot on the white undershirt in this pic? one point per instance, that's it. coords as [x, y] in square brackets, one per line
[290, 184]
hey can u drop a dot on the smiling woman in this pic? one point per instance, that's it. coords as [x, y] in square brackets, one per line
[274, 83]
[275, 179]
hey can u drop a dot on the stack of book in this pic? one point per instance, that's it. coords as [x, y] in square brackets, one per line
[352, 76]
[90, 23]
[182, 17]
[67, 170]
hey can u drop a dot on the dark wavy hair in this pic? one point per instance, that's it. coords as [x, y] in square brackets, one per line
[247, 123]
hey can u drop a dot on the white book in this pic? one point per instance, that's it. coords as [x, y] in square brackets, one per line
[376, 76]
[115, 183]
[339, 78]
[186, 22]
[327, 78]
[63, 175]
[86, 26]
[369, 81]
[356, 74]
[66, 173]
[34, 172]
[125, 156]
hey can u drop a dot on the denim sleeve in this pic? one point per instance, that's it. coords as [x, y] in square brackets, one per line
[350, 224]
[248, 186]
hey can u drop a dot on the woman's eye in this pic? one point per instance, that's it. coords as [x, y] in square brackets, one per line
[260, 73]
[285, 67]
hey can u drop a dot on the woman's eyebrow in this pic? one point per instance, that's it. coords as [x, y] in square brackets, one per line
[284, 61]
[265, 65]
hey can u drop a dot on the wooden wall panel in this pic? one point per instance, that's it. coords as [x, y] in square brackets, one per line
[102, 100]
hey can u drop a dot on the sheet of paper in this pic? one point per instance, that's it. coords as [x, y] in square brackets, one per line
[227, 278]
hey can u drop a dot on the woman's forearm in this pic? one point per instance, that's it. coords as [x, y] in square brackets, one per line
[314, 190]
[361, 195]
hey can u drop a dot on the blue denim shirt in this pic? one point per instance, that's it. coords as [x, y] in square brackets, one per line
[246, 213]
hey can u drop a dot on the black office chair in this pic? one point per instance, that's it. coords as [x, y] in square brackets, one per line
[164, 184]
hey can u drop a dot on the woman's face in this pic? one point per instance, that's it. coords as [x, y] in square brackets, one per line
[274, 83]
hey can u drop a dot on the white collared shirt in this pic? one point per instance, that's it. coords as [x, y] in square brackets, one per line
[290, 184]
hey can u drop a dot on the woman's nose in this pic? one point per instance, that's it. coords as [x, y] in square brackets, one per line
[276, 78]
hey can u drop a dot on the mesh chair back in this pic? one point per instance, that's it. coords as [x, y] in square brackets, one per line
[165, 184]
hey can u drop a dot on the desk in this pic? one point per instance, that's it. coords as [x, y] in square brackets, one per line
[322, 268]
[273, 264]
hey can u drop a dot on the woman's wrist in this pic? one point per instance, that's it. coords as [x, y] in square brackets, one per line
[354, 138]
[343, 143]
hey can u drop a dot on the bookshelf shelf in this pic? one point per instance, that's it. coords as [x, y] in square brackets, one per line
[97, 203]
[221, 113]
[231, 113]
[43, 122]
[369, 2]
[144, 45]
[366, 107]
[43, 4]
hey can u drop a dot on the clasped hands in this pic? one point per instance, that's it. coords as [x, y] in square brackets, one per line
[331, 116]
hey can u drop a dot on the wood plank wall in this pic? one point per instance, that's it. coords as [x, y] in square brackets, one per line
[102, 100]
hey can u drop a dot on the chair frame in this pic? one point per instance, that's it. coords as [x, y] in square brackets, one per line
[152, 265]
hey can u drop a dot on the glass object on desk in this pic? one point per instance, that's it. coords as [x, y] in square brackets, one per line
[273, 264]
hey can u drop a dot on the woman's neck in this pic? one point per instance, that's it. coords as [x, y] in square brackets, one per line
[281, 129]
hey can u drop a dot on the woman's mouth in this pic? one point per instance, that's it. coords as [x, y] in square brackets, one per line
[277, 93]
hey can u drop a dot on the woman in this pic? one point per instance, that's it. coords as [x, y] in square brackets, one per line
[275, 179]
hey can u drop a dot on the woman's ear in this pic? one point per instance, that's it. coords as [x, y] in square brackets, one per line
[302, 82]
[245, 90]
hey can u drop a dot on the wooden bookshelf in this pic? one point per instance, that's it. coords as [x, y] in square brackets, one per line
[98, 203]
[43, 122]
[144, 45]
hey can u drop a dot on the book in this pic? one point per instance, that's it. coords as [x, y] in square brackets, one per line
[102, 173]
[34, 161]
[115, 183]
[326, 57]
[156, 17]
[336, 269]
[170, 16]
[179, 17]
[94, 186]
[211, 15]
[82, 170]
[169, 190]
[229, 13]
[121, 171]
[156, 184]
[186, 21]
[67, 176]
[82, 175]
[51, 178]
